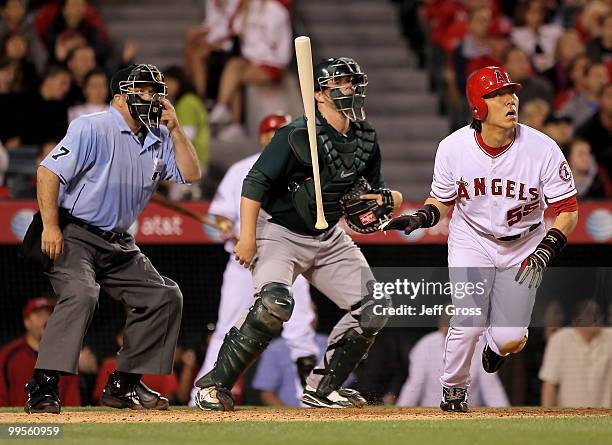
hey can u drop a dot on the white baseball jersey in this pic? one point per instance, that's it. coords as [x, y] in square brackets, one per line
[227, 198]
[266, 33]
[501, 194]
[219, 14]
[497, 193]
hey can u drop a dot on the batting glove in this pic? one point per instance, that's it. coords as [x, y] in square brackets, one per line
[533, 266]
[427, 216]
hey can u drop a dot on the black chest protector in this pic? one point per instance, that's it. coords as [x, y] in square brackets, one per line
[340, 164]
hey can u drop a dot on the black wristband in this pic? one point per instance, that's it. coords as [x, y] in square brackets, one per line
[431, 215]
[553, 242]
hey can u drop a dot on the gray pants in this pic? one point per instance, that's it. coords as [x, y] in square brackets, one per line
[154, 304]
[331, 262]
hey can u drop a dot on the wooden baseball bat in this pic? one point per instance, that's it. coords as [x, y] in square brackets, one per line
[165, 202]
[303, 53]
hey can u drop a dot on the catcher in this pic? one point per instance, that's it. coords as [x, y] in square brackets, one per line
[278, 240]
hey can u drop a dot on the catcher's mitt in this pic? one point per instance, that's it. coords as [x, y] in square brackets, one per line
[365, 215]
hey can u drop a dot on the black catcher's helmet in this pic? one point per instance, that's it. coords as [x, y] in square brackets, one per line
[328, 71]
[129, 80]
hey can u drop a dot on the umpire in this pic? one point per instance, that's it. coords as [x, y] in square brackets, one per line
[91, 188]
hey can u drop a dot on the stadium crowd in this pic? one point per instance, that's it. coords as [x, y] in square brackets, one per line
[56, 58]
[559, 50]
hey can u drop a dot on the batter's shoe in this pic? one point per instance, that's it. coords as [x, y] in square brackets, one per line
[454, 399]
[134, 395]
[341, 398]
[214, 398]
[42, 394]
[491, 362]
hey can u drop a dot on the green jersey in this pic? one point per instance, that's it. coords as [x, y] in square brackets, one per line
[281, 179]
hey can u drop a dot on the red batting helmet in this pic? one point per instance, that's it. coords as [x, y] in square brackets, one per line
[273, 122]
[482, 82]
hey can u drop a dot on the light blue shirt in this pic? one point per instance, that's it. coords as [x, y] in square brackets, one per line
[106, 176]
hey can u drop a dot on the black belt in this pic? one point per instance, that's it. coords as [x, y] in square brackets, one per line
[515, 237]
[106, 235]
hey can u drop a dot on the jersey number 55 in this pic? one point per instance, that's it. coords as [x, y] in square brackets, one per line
[518, 213]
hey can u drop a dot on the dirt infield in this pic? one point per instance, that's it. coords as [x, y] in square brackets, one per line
[290, 415]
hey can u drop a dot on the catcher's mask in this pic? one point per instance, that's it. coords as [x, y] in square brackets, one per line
[326, 76]
[148, 111]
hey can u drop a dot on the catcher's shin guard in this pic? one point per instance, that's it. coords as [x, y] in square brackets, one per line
[353, 346]
[241, 347]
[347, 353]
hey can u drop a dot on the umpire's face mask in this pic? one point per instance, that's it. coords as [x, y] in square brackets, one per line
[349, 94]
[144, 104]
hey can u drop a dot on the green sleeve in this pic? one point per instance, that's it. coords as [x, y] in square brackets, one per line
[273, 164]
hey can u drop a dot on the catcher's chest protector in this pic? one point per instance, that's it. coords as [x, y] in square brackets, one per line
[340, 165]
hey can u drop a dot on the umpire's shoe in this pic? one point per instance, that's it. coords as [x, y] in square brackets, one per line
[341, 398]
[134, 395]
[42, 394]
[215, 398]
[454, 399]
[491, 362]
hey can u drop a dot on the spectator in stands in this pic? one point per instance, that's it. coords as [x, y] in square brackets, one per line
[18, 358]
[474, 45]
[193, 117]
[585, 102]
[165, 384]
[577, 81]
[95, 89]
[72, 24]
[277, 378]
[266, 48]
[88, 372]
[592, 181]
[46, 109]
[569, 46]
[4, 164]
[534, 113]
[10, 129]
[553, 319]
[576, 370]
[422, 388]
[14, 21]
[534, 36]
[559, 129]
[209, 46]
[516, 63]
[79, 61]
[15, 49]
[185, 368]
[589, 22]
[599, 48]
[597, 131]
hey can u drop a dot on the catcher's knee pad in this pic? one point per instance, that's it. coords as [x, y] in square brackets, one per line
[346, 355]
[509, 339]
[273, 306]
[241, 347]
[373, 316]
